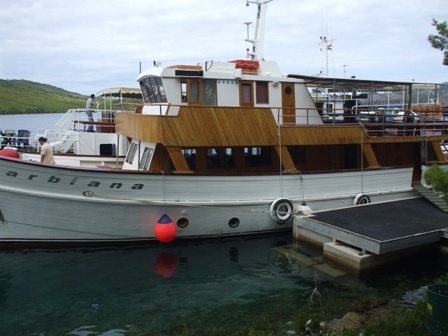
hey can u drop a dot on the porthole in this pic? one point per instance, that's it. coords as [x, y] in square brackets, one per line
[182, 222]
[234, 222]
[88, 193]
[288, 90]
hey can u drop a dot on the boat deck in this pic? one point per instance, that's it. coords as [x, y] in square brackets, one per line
[383, 227]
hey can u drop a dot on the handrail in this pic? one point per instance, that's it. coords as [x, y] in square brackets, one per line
[387, 123]
[63, 122]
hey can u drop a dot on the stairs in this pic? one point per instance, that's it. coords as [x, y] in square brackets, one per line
[431, 197]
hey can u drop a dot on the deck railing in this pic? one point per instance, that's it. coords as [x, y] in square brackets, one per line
[383, 122]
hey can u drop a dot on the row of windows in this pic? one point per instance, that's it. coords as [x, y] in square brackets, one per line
[220, 157]
[146, 157]
[202, 91]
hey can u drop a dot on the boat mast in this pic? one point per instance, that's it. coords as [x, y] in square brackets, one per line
[327, 44]
[258, 40]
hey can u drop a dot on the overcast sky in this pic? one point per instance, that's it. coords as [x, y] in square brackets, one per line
[88, 45]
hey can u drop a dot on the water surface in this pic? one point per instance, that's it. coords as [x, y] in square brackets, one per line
[205, 288]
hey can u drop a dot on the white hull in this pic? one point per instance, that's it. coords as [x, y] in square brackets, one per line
[41, 203]
[86, 161]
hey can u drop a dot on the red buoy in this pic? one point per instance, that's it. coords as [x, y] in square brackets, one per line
[166, 265]
[165, 230]
[9, 152]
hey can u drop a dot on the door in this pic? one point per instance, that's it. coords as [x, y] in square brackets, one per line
[288, 104]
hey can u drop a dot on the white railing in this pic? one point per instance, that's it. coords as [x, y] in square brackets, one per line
[65, 121]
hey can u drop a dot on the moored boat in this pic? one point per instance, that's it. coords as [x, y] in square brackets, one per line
[76, 145]
[222, 148]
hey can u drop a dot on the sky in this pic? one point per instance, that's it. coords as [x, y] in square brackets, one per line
[85, 46]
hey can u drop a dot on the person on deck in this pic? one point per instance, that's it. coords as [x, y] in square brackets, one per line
[89, 111]
[46, 151]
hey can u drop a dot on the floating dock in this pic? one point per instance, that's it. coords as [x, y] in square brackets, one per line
[364, 237]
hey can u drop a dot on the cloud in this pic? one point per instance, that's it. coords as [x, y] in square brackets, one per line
[85, 46]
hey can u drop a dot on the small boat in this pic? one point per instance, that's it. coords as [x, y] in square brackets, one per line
[221, 149]
[72, 143]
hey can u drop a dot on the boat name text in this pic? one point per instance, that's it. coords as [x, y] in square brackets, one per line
[74, 180]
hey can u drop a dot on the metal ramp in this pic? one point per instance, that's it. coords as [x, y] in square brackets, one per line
[382, 227]
[431, 196]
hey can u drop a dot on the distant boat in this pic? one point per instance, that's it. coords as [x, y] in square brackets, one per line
[72, 144]
[221, 148]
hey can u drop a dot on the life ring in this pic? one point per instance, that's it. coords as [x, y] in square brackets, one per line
[281, 210]
[361, 199]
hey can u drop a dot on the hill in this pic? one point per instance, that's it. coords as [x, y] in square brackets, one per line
[22, 96]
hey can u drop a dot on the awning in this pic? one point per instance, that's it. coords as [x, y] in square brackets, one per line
[120, 92]
[344, 84]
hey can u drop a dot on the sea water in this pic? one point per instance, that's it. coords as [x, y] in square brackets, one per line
[31, 122]
[212, 287]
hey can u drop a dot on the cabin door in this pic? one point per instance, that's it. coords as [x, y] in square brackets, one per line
[288, 115]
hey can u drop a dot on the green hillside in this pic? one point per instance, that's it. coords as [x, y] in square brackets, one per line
[22, 96]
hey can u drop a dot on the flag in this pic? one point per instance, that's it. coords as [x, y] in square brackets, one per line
[329, 46]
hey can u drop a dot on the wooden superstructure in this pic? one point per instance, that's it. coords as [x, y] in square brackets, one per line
[309, 148]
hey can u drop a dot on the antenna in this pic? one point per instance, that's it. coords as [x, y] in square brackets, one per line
[258, 40]
[327, 45]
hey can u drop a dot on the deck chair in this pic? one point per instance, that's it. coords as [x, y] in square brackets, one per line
[10, 137]
[23, 138]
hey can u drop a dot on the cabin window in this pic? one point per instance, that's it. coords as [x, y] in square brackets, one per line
[246, 94]
[262, 93]
[190, 157]
[220, 158]
[146, 158]
[153, 90]
[131, 153]
[257, 156]
[298, 154]
[183, 90]
[194, 92]
[209, 96]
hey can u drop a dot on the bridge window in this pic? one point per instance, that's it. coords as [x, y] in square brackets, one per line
[194, 92]
[209, 96]
[183, 90]
[153, 90]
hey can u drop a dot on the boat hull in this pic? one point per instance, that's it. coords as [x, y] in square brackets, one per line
[40, 203]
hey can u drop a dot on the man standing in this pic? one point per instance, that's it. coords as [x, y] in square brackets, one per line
[46, 151]
[89, 111]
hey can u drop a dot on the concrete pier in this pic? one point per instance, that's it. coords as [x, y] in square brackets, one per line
[365, 238]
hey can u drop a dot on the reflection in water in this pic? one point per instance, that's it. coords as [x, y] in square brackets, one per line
[165, 265]
[208, 288]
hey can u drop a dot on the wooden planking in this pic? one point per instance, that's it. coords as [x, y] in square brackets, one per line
[321, 135]
[178, 159]
[287, 162]
[203, 126]
[138, 126]
[369, 154]
[200, 126]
